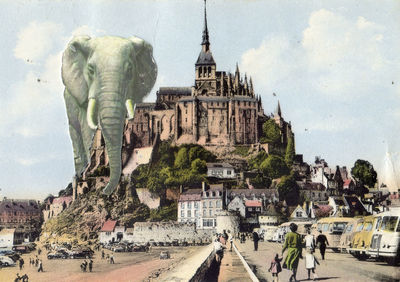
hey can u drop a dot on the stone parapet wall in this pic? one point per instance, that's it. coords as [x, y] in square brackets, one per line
[168, 232]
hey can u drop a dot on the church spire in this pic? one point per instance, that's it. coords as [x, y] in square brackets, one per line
[278, 111]
[206, 42]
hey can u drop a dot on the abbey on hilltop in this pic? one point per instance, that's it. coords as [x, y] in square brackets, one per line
[220, 109]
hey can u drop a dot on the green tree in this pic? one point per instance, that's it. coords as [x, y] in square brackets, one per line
[364, 172]
[256, 161]
[199, 166]
[274, 167]
[182, 159]
[271, 132]
[198, 152]
[288, 190]
[290, 152]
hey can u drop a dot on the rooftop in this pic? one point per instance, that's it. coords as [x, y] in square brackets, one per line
[108, 226]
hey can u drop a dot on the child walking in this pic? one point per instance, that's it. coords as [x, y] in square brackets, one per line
[275, 267]
[311, 263]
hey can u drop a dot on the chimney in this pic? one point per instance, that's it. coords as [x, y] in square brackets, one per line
[181, 189]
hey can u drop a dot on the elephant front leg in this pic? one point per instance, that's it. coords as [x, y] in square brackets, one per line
[74, 112]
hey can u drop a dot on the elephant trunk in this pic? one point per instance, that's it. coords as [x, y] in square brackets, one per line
[112, 114]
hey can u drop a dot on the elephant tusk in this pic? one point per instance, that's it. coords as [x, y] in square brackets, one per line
[130, 108]
[91, 114]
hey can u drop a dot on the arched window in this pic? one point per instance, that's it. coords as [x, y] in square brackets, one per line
[200, 71]
[209, 71]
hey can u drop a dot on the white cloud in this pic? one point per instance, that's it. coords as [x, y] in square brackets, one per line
[339, 58]
[345, 56]
[272, 62]
[36, 40]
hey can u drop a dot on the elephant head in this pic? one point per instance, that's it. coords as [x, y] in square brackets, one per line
[104, 77]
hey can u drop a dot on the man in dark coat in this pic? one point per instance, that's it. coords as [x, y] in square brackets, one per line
[322, 241]
[255, 240]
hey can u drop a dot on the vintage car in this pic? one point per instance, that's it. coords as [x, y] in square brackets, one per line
[6, 261]
[348, 233]
[362, 237]
[58, 255]
[386, 237]
[332, 228]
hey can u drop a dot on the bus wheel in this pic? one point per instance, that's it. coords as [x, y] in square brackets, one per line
[392, 261]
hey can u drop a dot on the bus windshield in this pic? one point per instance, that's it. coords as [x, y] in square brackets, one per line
[339, 226]
[389, 223]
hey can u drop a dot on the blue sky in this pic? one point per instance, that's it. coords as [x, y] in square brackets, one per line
[334, 66]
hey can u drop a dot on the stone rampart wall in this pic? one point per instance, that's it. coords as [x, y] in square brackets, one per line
[168, 232]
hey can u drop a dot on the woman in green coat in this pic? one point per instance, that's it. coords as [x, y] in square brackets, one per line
[293, 243]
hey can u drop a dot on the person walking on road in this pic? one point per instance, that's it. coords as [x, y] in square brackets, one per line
[40, 267]
[275, 267]
[112, 259]
[310, 241]
[90, 265]
[322, 241]
[256, 238]
[311, 263]
[293, 244]
[219, 250]
[21, 263]
[102, 254]
[230, 239]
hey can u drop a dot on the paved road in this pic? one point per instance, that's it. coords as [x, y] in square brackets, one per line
[335, 267]
[128, 267]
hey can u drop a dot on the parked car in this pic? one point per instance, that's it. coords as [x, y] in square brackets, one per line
[6, 261]
[119, 248]
[22, 249]
[139, 248]
[164, 255]
[58, 255]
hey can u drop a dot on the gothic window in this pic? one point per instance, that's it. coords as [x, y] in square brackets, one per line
[185, 119]
[209, 71]
[200, 71]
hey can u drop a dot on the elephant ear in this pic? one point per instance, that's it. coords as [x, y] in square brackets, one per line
[73, 64]
[145, 73]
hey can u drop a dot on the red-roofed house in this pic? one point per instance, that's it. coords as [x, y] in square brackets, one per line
[253, 208]
[349, 185]
[110, 232]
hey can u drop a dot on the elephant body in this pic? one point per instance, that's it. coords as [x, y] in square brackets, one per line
[104, 77]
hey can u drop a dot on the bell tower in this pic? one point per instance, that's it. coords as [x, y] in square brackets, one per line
[205, 81]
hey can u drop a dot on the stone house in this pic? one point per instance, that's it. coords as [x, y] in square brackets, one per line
[299, 214]
[315, 192]
[189, 207]
[253, 209]
[349, 186]
[55, 206]
[110, 232]
[24, 216]
[220, 170]
[201, 206]
[7, 238]
[346, 206]
[237, 205]
[269, 217]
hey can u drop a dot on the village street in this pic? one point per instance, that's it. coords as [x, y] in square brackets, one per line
[335, 267]
[131, 266]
